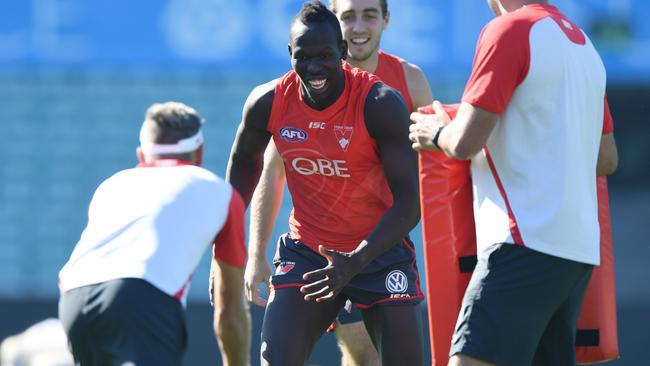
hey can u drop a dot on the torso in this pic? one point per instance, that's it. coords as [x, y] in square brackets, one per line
[535, 182]
[332, 164]
[144, 219]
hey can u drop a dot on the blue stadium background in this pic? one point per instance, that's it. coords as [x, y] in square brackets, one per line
[76, 77]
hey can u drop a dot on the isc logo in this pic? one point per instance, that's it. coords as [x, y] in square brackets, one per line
[317, 125]
[293, 134]
[324, 167]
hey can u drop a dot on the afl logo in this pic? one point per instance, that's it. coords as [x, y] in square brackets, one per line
[293, 134]
[396, 282]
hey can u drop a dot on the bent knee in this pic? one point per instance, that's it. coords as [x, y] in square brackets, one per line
[360, 357]
[464, 360]
[281, 356]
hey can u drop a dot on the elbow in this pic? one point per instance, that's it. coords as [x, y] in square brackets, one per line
[408, 210]
[416, 214]
[413, 216]
[607, 156]
[462, 150]
[607, 167]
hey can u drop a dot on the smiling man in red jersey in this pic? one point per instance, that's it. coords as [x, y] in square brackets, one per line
[341, 135]
[362, 24]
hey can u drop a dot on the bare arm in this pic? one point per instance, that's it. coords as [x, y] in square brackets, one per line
[232, 323]
[418, 86]
[460, 140]
[471, 128]
[247, 154]
[265, 205]
[387, 122]
[607, 155]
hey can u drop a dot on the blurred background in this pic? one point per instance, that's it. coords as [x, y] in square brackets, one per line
[76, 77]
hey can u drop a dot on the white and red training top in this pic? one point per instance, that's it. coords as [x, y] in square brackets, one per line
[155, 222]
[535, 181]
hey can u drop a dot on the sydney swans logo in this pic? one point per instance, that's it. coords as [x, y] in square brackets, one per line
[343, 135]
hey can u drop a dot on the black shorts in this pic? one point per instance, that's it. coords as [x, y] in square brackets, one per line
[391, 279]
[521, 308]
[121, 321]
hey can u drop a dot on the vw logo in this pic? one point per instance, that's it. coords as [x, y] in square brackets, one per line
[396, 282]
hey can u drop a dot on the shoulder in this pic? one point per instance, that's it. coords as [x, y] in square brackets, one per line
[204, 183]
[384, 110]
[413, 73]
[119, 178]
[418, 85]
[415, 82]
[117, 184]
[381, 96]
[203, 174]
[260, 100]
[200, 173]
[509, 27]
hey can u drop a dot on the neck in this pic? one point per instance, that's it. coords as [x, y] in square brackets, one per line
[165, 163]
[513, 5]
[188, 158]
[369, 64]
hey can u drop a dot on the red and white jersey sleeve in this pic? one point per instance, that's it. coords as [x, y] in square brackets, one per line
[229, 244]
[535, 182]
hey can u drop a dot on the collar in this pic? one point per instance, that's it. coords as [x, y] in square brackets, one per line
[158, 163]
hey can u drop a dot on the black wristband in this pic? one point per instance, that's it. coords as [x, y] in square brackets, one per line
[436, 136]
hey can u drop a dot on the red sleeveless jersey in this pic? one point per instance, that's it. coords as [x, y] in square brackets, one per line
[390, 70]
[333, 169]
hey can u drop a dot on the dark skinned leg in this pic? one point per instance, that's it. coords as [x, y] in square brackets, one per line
[396, 332]
[292, 326]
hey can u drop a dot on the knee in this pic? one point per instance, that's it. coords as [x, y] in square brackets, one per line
[357, 351]
[276, 356]
[463, 360]
[360, 357]
[454, 361]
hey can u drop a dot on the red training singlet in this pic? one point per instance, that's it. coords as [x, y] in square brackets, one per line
[333, 169]
[390, 70]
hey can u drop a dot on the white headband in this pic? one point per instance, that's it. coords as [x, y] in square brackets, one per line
[182, 146]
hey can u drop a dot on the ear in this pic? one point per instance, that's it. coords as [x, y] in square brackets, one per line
[386, 20]
[344, 49]
[198, 157]
[289, 48]
[140, 155]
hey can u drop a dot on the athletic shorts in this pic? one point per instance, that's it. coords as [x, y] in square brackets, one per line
[521, 308]
[391, 279]
[123, 321]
